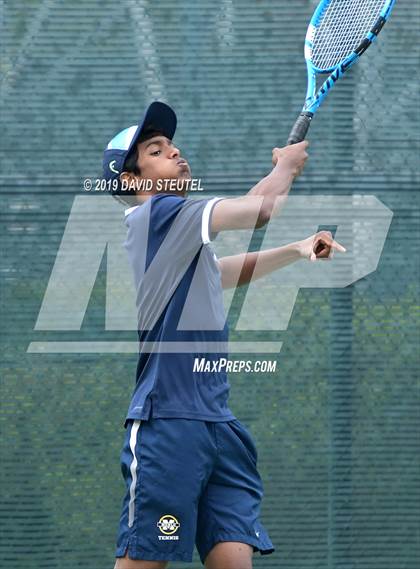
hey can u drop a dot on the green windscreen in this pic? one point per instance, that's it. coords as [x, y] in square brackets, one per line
[337, 425]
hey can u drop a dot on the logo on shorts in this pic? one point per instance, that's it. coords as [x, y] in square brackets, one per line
[168, 525]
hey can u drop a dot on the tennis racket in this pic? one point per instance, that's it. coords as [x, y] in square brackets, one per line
[339, 33]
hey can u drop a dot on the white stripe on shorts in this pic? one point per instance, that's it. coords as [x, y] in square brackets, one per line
[133, 470]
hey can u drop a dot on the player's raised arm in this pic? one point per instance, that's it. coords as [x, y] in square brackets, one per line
[256, 207]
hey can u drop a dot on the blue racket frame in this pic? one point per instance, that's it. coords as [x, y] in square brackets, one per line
[315, 98]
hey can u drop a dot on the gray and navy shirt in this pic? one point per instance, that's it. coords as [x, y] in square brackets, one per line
[180, 310]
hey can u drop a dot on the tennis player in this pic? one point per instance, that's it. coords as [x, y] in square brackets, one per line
[190, 467]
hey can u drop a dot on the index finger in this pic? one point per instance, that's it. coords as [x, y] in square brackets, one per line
[337, 246]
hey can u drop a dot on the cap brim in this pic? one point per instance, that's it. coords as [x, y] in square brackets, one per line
[158, 116]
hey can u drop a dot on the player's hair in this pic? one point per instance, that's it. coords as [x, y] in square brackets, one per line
[130, 164]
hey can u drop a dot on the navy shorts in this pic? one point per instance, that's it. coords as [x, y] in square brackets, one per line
[188, 482]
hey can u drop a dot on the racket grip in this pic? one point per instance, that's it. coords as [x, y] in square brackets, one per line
[300, 128]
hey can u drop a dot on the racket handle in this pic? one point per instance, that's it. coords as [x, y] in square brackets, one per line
[300, 128]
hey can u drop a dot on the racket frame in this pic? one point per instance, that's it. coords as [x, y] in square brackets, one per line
[314, 97]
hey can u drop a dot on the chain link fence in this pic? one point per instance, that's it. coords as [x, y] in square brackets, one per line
[337, 426]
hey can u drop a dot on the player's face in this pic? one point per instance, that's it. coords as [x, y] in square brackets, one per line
[160, 159]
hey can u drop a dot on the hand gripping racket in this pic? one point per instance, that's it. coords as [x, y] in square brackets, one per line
[339, 33]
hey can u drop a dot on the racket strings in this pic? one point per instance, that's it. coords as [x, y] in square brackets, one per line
[343, 26]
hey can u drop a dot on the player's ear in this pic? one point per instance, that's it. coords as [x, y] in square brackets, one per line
[127, 177]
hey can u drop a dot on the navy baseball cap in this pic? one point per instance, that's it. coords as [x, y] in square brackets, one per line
[158, 116]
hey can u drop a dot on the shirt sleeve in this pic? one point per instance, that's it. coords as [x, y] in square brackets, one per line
[206, 234]
[187, 220]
